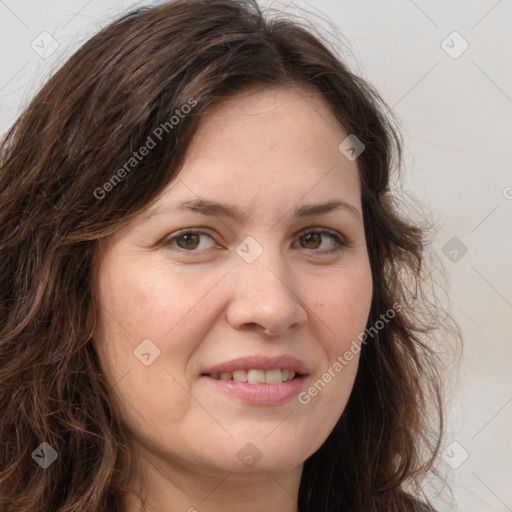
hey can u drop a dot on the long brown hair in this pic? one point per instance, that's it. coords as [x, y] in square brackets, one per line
[62, 189]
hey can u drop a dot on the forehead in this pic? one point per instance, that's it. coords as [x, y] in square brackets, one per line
[269, 130]
[278, 143]
[284, 104]
[268, 146]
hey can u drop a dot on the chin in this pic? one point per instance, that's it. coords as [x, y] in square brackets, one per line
[252, 457]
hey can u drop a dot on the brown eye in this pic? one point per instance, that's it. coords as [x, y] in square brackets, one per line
[313, 240]
[188, 241]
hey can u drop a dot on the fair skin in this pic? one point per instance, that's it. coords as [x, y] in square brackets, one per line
[267, 152]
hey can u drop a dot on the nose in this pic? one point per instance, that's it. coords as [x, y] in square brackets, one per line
[265, 298]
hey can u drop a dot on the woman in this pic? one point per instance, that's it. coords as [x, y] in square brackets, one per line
[209, 299]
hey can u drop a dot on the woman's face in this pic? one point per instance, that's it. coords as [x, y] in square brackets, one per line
[251, 280]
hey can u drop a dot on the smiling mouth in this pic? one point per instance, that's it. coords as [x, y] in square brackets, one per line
[256, 376]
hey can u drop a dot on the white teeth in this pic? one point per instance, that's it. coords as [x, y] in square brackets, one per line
[273, 377]
[254, 376]
[240, 375]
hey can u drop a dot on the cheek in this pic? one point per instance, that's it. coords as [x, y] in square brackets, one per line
[342, 308]
[343, 305]
[147, 299]
[143, 346]
[173, 310]
[148, 314]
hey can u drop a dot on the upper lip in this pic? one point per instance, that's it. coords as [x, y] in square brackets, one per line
[283, 362]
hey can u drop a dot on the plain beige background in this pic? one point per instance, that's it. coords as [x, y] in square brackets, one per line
[445, 69]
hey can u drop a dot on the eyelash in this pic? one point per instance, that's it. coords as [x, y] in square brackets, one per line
[340, 242]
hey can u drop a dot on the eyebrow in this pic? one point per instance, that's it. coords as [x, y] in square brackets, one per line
[209, 207]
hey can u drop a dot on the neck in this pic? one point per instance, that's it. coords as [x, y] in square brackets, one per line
[168, 487]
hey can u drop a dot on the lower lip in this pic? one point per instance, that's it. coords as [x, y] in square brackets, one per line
[261, 394]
